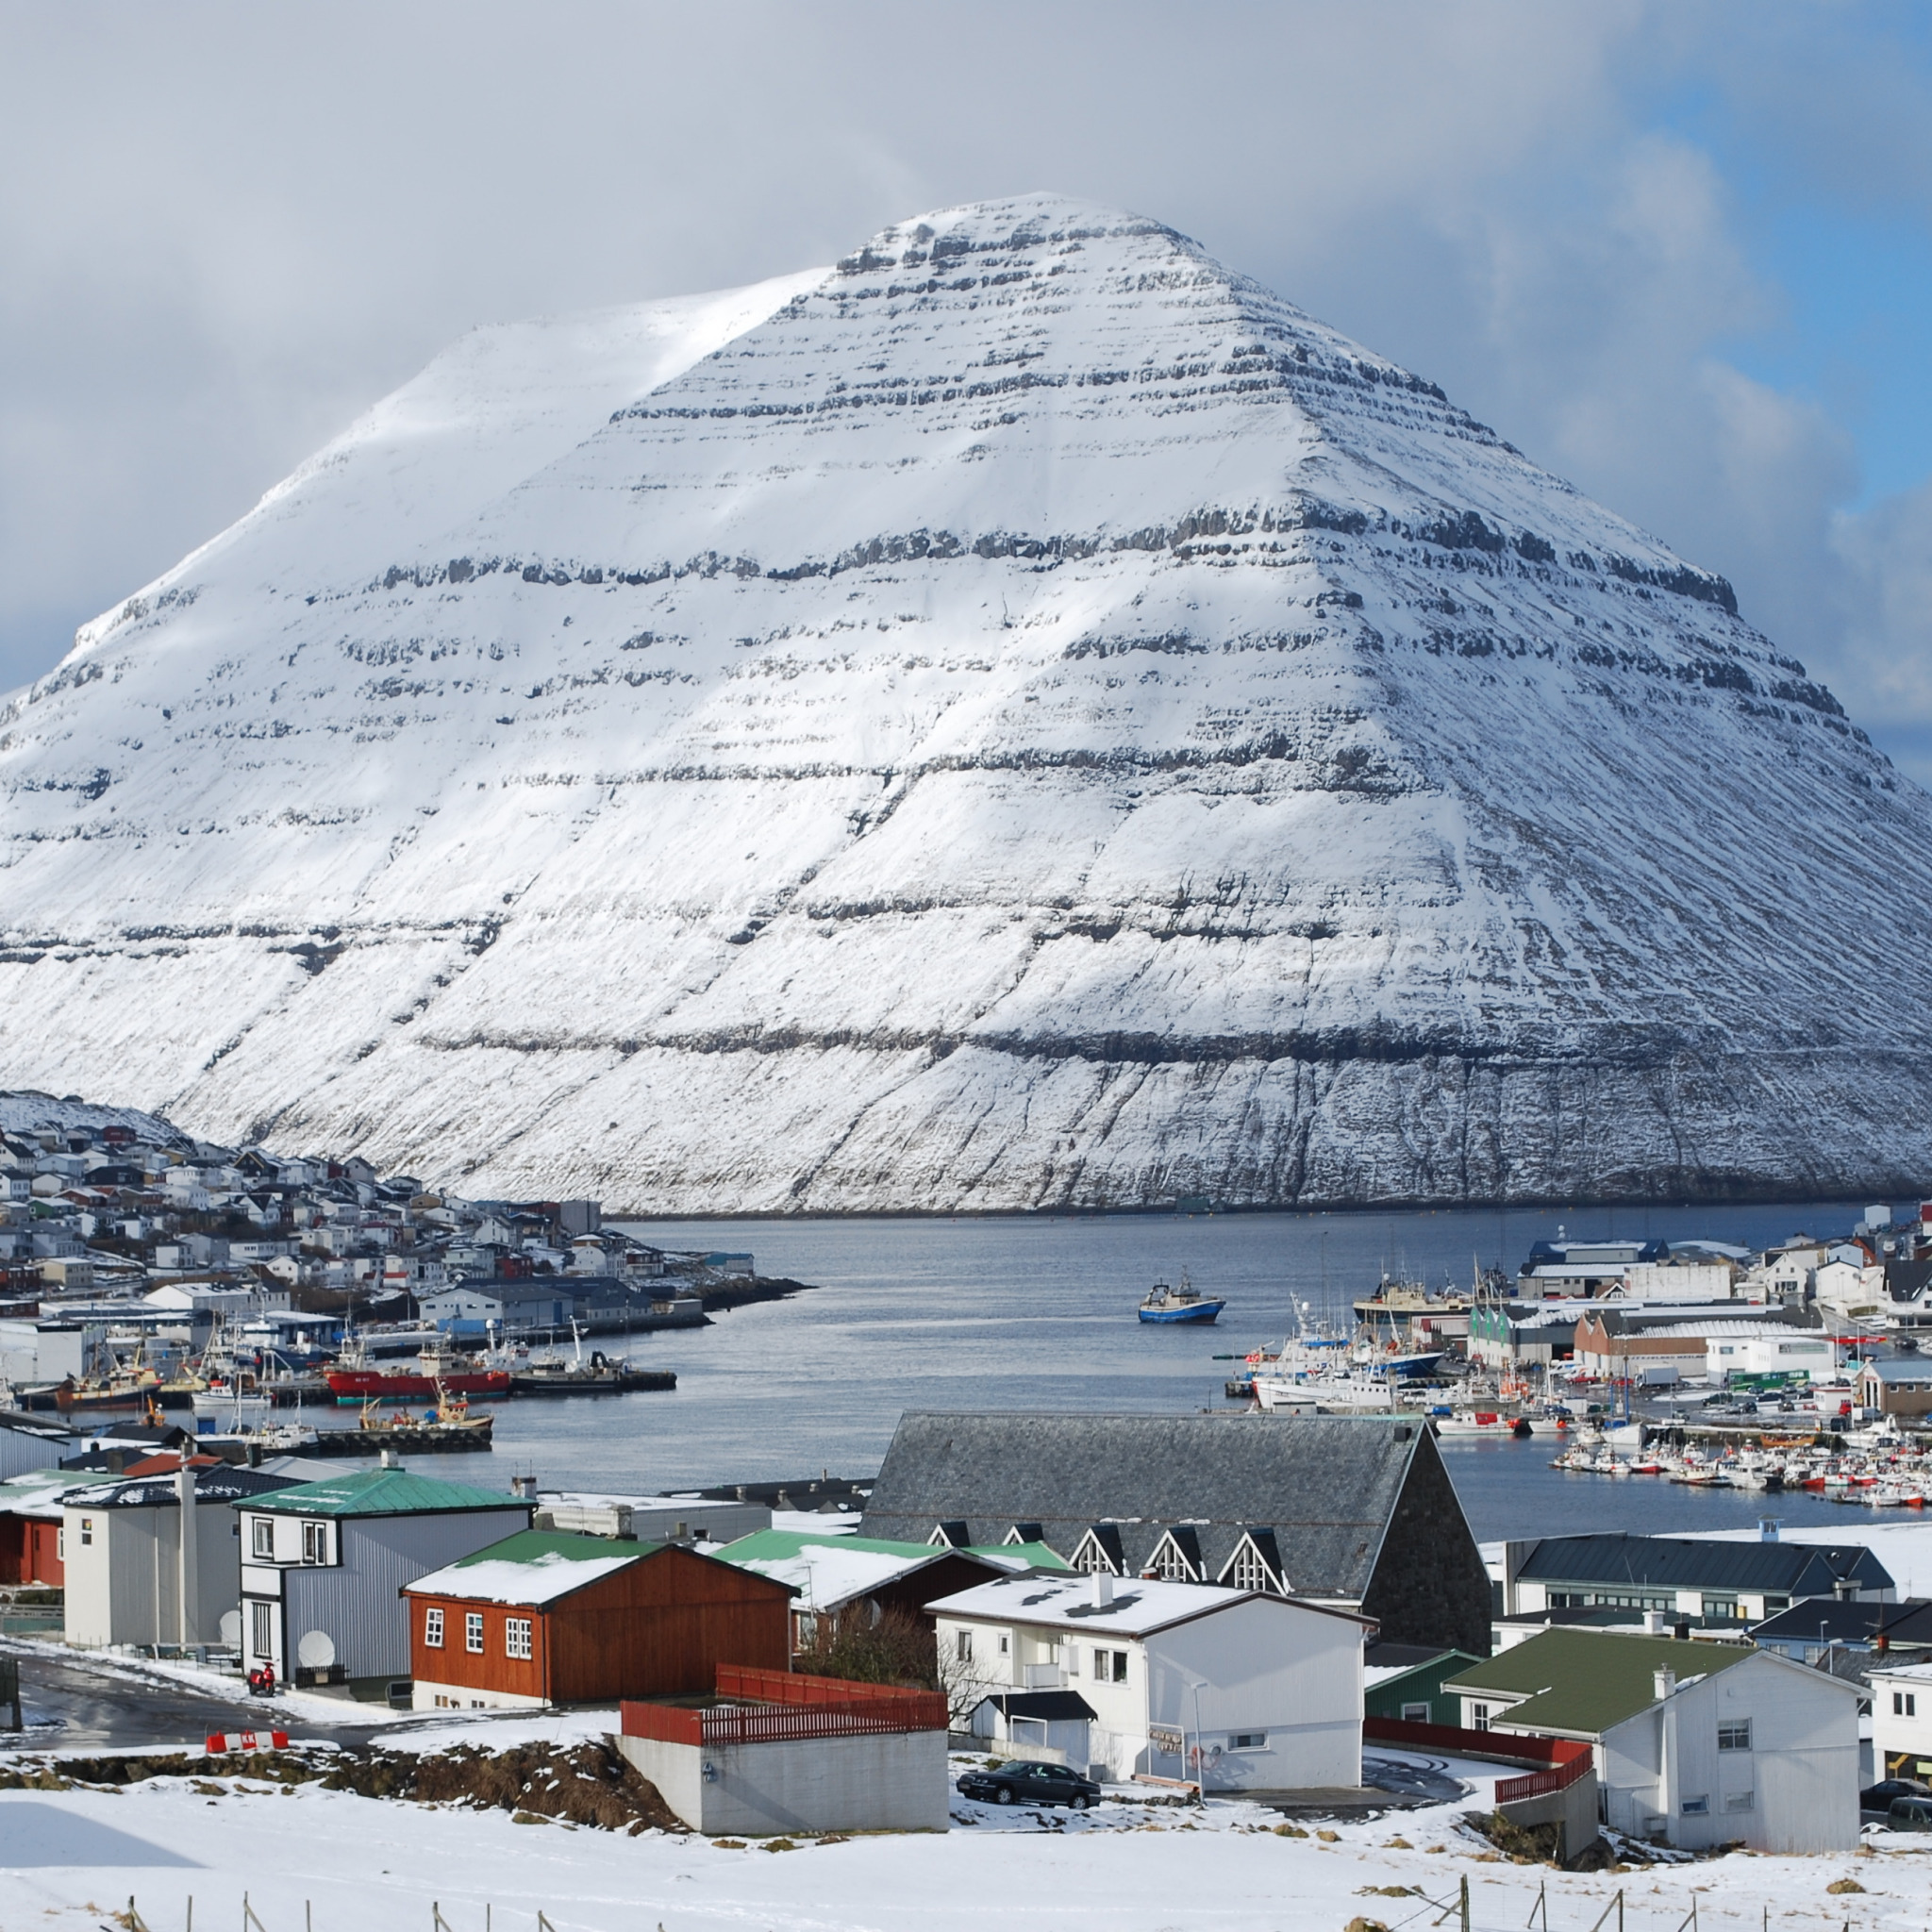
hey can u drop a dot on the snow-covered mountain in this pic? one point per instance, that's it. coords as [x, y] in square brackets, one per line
[1026, 716]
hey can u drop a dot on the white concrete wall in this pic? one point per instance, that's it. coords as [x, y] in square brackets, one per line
[429, 1695]
[891, 1782]
[1896, 1733]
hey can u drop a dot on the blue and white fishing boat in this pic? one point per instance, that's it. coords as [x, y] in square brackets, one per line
[1183, 1304]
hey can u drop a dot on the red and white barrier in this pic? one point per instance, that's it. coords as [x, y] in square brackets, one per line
[221, 1741]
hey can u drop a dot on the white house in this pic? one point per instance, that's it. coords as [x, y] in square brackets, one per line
[1902, 1722]
[141, 1569]
[1696, 1743]
[1231, 1689]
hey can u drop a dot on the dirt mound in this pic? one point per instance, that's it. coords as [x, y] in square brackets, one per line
[588, 1782]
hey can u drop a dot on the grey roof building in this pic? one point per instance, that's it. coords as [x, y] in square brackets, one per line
[1349, 1511]
[1742, 1582]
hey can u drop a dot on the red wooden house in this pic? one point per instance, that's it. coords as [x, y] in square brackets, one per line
[544, 1618]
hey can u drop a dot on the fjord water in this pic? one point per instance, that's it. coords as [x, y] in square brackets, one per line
[1039, 1312]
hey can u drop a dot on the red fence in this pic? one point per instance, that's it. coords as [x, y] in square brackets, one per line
[1540, 1782]
[790, 1705]
[1505, 1747]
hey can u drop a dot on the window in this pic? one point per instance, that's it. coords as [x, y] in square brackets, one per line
[261, 1531]
[261, 1630]
[1739, 1801]
[1109, 1666]
[516, 1638]
[1905, 1704]
[1006, 1643]
[87, 1531]
[1248, 1741]
[60, 1544]
[1248, 1571]
[1479, 1716]
[1734, 1734]
[1415, 1713]
[315, 1542]
[1171, 1561]
[473, 1631]
[432, 1626]
[1720, 1610]
[1695, 1807]
[962, 1645]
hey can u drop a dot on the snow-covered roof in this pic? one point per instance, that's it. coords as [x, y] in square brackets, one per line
[829, 1571]
[533, 1567]
[1066, 1599]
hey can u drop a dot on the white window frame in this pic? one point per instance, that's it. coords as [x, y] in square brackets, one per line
[86, 1532]
[1479, 1716]
[261, 1538]
[472, 1632]
[261, 1630]
[1417, 1713]
[432, 1626]
[516, 1638]
[1247, 1741]
[314, 1543]
[1247, 1569]
[1734, 1734]
[962, 1646]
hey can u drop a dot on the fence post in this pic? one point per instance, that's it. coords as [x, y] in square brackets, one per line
[1464, 1901]
[135, 1921]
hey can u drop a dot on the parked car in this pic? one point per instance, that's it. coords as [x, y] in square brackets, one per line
[1909, 1814]
[1024, 1782]
[1878, 1797]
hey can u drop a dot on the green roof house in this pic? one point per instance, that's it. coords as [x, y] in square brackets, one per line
[322, 1563]
[1696, 1744]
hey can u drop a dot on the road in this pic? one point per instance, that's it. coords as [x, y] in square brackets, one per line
[76, 1705]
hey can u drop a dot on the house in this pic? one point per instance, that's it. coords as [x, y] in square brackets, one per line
[141, 1568]
[1698, 1744]
[1898, 1388]
[1228, 1689]
[1686, 1576]
[836, 1578]
[1809, 1631]
[322, 1564]
[1902, 1720]
[1354, 1512]
[1509, 1335]
[547, 1618]
[1405, 1681]
[774, 1752]
[31, 1542]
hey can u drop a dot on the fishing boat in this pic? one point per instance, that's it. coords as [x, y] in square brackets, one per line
[1183, 1304]
[556, 1374]
[437, 1370]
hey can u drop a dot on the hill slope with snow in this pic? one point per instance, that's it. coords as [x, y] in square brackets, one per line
[1023, 717]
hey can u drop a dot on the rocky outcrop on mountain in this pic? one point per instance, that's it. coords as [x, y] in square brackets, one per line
[1023, 717]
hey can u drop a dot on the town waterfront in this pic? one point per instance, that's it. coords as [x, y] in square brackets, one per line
[1039, 1313]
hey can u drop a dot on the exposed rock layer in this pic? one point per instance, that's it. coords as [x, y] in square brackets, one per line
[1026, 717]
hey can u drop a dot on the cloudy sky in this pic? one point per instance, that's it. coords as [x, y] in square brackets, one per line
[1679, 253]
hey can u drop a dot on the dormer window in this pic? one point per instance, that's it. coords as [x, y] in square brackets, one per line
[1174, 1561]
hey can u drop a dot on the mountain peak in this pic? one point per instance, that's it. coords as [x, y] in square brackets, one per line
[1026, 716]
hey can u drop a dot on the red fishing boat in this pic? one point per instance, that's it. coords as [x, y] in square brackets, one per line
[352, 1380]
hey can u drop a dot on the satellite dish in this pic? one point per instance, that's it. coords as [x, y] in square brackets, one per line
[316, 1650]
[231, 1627]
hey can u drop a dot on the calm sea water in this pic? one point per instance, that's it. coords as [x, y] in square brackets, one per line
[1039, 1313]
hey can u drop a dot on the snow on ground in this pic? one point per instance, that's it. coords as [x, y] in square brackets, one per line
[335, 1861]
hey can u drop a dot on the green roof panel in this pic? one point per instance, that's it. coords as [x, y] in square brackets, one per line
[1581, 1682]
[381, 1492]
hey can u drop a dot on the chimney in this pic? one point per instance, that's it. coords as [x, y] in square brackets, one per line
[1845, 1589]
[188, 1552]
[390, 1459]
[1653, 1622]
[523, 1486]
[1767, 1530]
[1663, 1683]
[1103, 1590]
